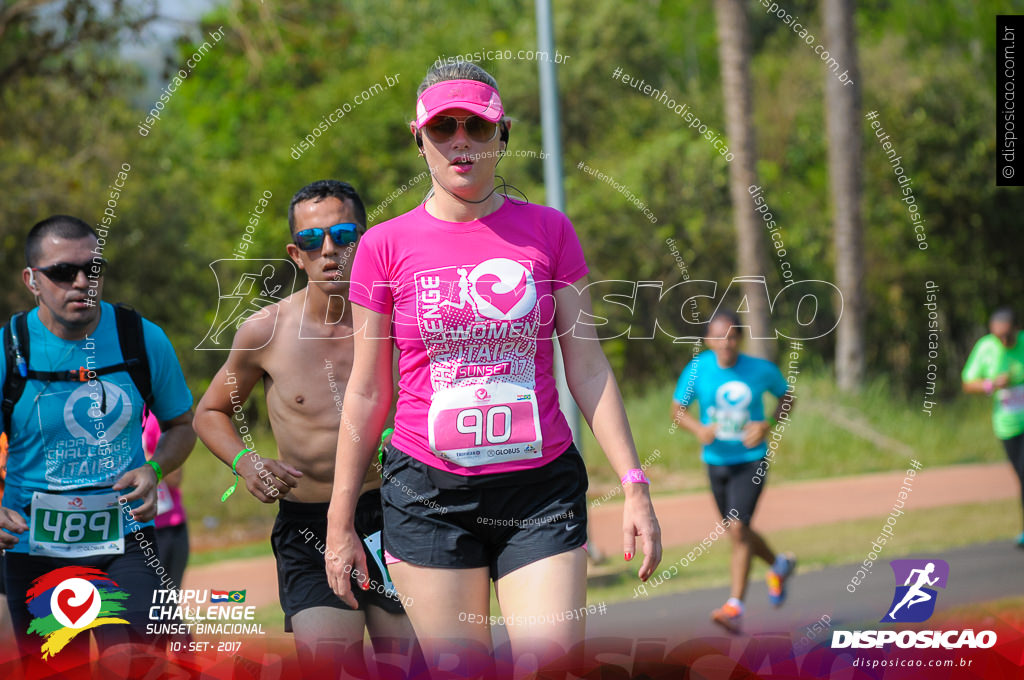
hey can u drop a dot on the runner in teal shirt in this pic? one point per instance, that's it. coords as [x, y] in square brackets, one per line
[730, 388]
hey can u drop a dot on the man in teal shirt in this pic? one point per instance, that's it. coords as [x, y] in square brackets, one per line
[996, 367]
[75, 439]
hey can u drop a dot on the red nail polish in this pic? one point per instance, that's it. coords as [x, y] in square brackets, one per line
[365, 586]
[629, 556]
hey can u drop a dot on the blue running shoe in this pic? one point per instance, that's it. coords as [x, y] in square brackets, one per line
[781, 571]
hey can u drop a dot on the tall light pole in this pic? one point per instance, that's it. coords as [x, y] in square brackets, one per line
[553, 189]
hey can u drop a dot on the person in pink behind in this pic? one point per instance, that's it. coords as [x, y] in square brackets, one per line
[482, 481]
[171, 527]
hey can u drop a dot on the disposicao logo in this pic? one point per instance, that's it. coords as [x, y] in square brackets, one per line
[70, 600]
[913, 602]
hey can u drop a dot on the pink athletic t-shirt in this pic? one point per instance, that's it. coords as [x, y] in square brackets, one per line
[473, 314]
[170, 509]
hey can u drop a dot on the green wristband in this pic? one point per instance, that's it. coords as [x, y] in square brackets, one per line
[156, 468]
[227, 494]
[380, 448]
[772, 421]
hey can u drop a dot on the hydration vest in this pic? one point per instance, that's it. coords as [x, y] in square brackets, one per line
[18, 372]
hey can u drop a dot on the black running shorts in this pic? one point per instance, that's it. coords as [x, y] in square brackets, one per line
[299, 540]
[734, 488]
[502, 521]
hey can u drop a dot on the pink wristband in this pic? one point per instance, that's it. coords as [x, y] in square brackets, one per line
[988, 385]
[636, 476]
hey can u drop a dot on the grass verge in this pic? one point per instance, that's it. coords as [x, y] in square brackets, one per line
[831, 434]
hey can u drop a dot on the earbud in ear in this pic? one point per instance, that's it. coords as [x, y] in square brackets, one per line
[32, 279]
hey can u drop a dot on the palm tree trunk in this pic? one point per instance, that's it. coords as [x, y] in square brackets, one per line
[842, 99]
[734, 55]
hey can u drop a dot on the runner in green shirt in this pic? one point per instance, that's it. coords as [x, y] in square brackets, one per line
[996, 367]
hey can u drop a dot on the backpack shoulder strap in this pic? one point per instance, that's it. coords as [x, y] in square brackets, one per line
[16, 355]
[133, 350]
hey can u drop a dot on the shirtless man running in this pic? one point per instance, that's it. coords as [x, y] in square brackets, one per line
[301, 348]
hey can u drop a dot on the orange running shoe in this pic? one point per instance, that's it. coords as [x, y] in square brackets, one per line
[728, 616]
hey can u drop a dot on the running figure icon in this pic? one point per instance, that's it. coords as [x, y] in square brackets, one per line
[464, 298]
[915, 595]
[247, 301]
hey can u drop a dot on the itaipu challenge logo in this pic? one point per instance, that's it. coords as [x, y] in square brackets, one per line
[72, 600]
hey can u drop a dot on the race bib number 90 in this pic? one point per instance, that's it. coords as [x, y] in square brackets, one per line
[485, 424]
[75, 526]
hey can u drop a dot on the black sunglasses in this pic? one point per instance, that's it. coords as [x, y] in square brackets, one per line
[344, 234]
[442, 128]
[67, 272]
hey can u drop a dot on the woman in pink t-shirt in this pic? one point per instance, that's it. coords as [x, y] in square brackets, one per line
[482, 481]
[171, 526]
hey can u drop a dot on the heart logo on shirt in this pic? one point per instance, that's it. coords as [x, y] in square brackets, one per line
[499, 294]
[502, 289]
[733, 395]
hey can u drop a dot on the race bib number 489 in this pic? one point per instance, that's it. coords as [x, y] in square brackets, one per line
[75, 526]
[484, 424]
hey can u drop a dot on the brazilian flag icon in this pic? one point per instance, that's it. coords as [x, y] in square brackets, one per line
[236, 595]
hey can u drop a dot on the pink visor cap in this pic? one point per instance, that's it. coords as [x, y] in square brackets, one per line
[472, 95]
